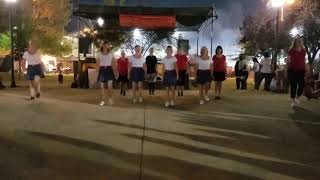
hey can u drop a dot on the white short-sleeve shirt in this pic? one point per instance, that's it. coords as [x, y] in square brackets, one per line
[32, 59]
[169, 63]
[256, 67]
[266, 65]
[137, 62]
[106, 59]
[204, 64]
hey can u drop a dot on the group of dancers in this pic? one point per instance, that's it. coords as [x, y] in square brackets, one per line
[137, 69]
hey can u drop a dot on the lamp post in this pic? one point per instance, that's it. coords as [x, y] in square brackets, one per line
[11, 3]
[278, 4]
[100, 21]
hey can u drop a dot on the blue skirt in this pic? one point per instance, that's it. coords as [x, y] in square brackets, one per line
[204, 76]
[137, 74]
[105, 74]
[34, 70]
[170, 78]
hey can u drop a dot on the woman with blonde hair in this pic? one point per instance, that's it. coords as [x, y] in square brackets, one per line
[33, 58]
[204, 70]
[296, 69]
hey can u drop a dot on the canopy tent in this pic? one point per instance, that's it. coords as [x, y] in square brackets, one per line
[187, 18]
[184, 18]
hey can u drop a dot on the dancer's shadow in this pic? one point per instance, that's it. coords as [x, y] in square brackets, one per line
[308, 121]
[301, 114]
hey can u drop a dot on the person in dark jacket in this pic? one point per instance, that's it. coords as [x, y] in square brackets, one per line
[241, 73]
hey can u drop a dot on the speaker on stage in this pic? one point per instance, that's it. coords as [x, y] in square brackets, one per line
[85, 45]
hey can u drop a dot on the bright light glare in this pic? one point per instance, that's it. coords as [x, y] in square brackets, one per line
[100, 21]
[176, 34]
[11, 1]
[136, 33]
[277, 3]
[86, 29]
[296, 32]
[290, 1]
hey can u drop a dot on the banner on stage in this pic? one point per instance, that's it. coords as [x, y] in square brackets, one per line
[147, 21]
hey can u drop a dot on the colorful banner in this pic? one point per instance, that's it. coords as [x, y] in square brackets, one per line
[147, 21]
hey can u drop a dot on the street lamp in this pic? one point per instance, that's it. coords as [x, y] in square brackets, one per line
[11, 3]
[278, 4]
[296, 31]
[100, 21]
[136, 34]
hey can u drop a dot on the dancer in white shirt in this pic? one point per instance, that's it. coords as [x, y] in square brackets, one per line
[170, 76]
[137, 69]
[204, 69]
[33, 58]
[107, 71]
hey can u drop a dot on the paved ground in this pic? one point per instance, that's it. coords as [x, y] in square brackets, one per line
[247, 135]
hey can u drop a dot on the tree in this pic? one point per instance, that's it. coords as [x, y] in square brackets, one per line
[258, 31]
[43, 21]
[113, 2]
[148, 39]
[5, 43]
[49, 19]
[308, 17]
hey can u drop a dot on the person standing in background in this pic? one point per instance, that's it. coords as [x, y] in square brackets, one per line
[316, 72]
[256, 70]
[219, 71]
[266, 72]
[241, 73]
[123, 80]
[151, 62]
[296, 70]
[1, 84]
[60, 78]
[182, 63]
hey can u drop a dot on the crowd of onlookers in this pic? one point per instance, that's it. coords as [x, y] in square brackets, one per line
[294, 73]
[301, 77]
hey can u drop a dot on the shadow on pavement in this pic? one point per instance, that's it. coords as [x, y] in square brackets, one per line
[312, 130]
[200, 138]
[23, 162]
[277, 167]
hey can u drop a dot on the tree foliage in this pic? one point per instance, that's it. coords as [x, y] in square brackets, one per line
[5, 43]
[44, 22]
[127, 40]
[308, 18]
[114, 2]
[148, 39]
[258, 31]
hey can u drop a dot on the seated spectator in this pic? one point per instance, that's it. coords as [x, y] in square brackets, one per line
[309, 91]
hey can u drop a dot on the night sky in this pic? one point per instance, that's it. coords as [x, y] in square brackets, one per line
[226, 29]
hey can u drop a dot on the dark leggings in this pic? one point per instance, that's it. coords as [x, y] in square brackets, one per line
[241, 83]
[296, 83]
[267, 78]
[151, 88]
